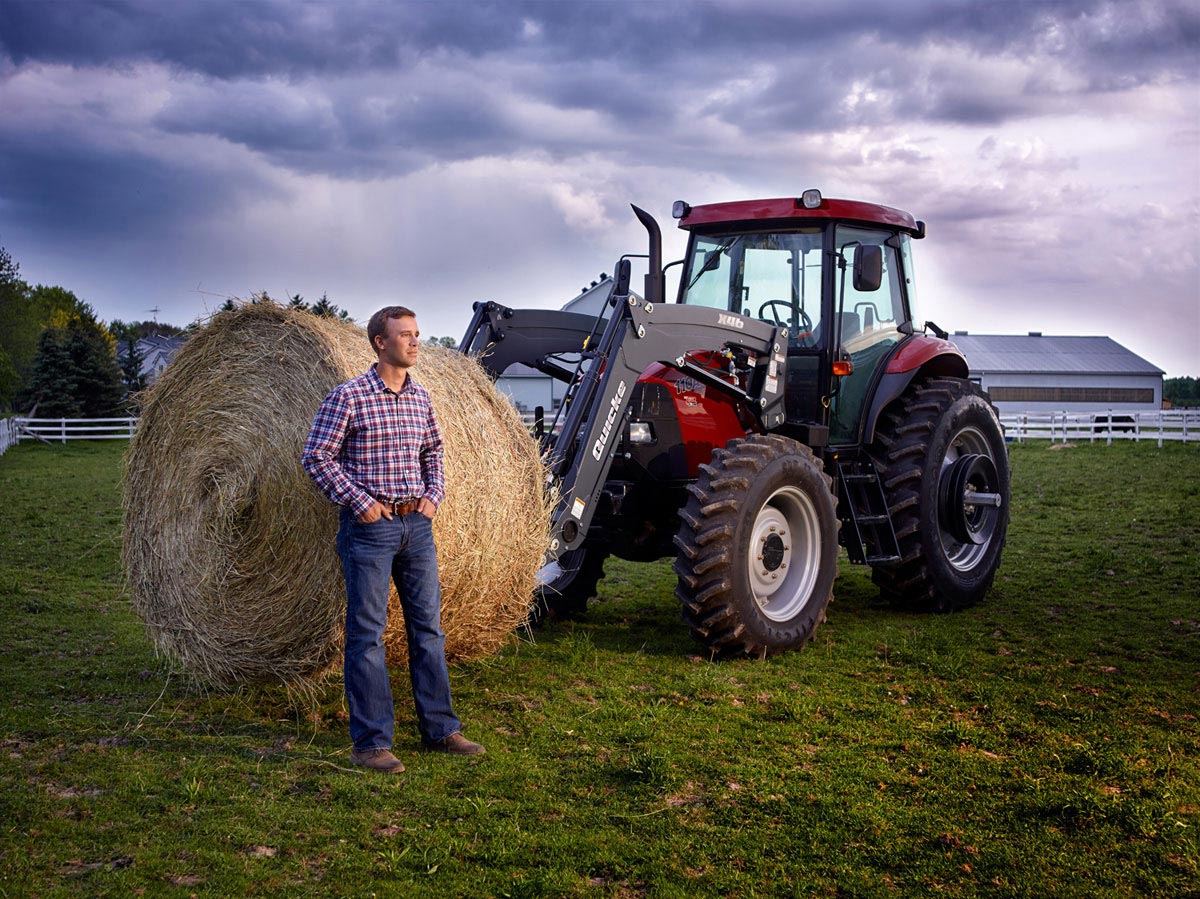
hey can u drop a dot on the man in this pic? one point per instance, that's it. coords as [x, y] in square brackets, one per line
[376, 451]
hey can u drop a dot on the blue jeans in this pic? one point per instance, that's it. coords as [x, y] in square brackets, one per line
[372, 555]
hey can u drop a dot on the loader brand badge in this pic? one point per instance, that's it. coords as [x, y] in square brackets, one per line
[732, 320]
[614, 409]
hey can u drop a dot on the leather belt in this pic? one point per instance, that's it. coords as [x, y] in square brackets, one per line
[401, 506]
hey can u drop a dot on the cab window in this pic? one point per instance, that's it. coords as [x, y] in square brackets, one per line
[775, 277]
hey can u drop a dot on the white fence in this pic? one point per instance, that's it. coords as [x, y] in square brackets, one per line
[1102, 427]
[548, 421]
[1018, 426]
[8, 434]
[60, 430]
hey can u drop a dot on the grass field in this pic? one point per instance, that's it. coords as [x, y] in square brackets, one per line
[1045, 743]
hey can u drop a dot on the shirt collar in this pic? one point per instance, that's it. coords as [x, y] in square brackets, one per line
[377, 382]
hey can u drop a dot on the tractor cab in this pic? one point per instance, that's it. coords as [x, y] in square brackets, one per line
[836, 274]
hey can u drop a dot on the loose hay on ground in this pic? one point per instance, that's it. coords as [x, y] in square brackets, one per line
[229, 549]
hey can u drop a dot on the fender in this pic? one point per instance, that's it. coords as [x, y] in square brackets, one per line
[919, 355]
[919, 349]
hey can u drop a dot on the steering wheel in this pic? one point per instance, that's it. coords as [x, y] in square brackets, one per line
[805, 321]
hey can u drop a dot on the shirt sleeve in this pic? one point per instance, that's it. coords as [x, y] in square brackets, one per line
[321, 451]
[432, 470]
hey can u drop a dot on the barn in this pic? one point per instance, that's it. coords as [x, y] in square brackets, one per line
[1038, 373]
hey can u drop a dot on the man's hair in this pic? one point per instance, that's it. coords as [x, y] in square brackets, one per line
[377, 326]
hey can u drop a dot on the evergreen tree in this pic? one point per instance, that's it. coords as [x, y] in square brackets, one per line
[298, 304]
[75, 373]
[131, 359]
[25, 313]
[18, 342]
[53, 388]
[93, 353]
[324, 308]
[1182, 392]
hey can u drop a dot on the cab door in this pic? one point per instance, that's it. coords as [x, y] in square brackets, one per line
[865, 327]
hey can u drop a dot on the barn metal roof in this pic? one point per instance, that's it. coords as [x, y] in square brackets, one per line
[1036, 354]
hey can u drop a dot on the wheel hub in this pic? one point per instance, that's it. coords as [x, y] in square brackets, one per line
[968, 500]
[773, 552]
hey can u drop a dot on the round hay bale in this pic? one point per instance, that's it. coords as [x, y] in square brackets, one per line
[229, 547]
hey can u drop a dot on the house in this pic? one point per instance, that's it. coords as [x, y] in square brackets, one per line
[1037, 373]
[156, 351]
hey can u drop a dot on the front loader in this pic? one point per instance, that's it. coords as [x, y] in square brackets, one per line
[785, 403]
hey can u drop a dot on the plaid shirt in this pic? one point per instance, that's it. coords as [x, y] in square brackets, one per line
[369, 443]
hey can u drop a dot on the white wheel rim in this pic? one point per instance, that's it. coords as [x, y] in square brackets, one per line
[785, 554]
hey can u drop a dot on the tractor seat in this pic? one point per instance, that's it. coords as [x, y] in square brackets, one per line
[850, 327]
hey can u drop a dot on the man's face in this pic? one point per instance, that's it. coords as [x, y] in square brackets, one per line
[400, 342]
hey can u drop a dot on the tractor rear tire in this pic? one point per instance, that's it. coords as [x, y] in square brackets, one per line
[942, 441]
[757, 548]
[560, 603]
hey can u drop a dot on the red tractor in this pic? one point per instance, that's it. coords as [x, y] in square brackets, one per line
[786, 391]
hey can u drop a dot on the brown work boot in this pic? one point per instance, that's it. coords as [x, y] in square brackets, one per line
[377, 760]
[455, 744]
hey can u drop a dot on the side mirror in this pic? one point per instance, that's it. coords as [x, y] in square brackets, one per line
[868, 267]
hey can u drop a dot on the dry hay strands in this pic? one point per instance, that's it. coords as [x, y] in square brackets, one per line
[229, 548]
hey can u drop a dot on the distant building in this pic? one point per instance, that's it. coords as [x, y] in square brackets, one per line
[591, 299]
[156, 352]
[1035, 373]
[528, 388]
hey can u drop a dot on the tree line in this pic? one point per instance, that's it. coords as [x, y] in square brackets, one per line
[59, 360]
[56, 356]
[1182, 393]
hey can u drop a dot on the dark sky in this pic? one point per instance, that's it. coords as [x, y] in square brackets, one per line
[170, 155]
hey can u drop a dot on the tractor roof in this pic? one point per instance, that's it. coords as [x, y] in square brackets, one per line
[792, 211]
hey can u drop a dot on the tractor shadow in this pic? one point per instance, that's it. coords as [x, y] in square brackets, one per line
[636, 611]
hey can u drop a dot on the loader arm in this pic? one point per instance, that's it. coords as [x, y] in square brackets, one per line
[637, 335]
[499, 337]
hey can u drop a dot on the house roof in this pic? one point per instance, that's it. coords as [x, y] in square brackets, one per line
[1035, 354]
[590, 296]
[521, 370]
[161, 342]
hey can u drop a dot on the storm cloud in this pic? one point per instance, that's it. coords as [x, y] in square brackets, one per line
[449, 152]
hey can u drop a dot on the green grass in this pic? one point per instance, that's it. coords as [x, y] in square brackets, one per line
[1044, 743]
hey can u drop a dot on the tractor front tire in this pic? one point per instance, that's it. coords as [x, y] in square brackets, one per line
[938, 450]
[757, 548]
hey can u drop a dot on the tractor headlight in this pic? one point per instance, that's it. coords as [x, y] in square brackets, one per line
[641, 432]
[679, 209]
[811, 198]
